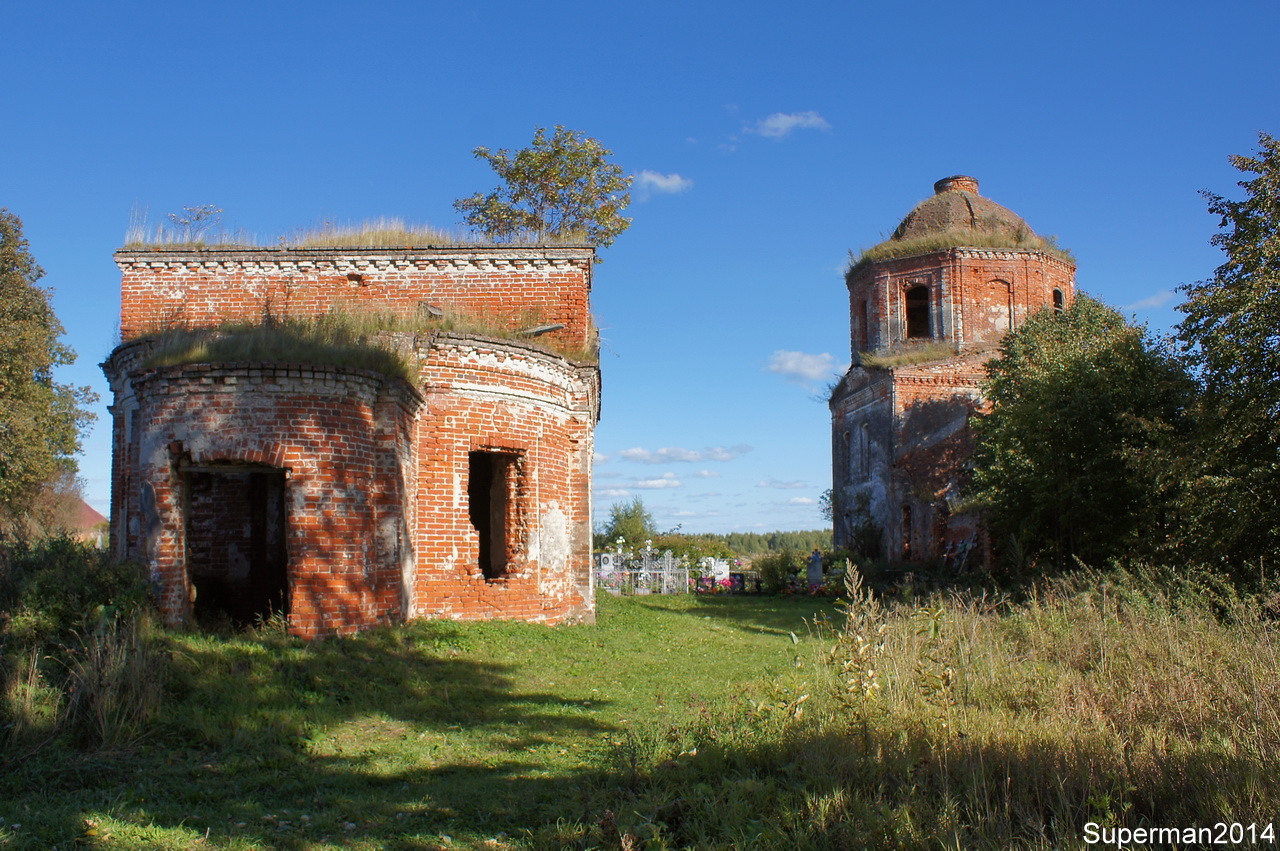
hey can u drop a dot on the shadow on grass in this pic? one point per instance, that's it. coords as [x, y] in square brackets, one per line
[768, 615]
[387, 739]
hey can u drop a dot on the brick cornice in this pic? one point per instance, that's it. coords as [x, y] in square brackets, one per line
[358, 260]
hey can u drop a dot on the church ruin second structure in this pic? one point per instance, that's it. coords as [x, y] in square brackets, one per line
[340, 496]
[927, 308]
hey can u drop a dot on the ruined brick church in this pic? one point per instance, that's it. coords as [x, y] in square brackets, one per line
[927, 308]
[341, 497]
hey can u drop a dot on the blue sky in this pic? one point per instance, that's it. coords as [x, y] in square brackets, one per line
[768, 141]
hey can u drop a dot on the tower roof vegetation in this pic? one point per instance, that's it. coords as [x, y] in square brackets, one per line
[956, 216]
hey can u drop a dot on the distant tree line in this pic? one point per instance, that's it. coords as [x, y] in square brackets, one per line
[632, 524]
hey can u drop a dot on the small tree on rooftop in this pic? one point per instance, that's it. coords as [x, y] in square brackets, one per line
[562, 186]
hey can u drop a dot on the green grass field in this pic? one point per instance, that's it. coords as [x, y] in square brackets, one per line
[954, 720]
[434, 735]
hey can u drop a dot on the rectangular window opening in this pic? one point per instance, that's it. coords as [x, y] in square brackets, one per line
[491, 497]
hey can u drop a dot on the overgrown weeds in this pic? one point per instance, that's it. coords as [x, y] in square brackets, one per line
[181, 233]
[372, 339]
[1023, 240]
[980, 722]
[906, 355]
[75, 657]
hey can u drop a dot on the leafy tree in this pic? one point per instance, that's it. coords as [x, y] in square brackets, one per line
[1232, 334]
[562, 185]
[630, 521]
[1067, 461]
[40, 419]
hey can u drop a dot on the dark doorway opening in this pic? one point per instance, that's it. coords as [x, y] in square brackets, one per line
[236, 553]
[918, 321]
[490, 495]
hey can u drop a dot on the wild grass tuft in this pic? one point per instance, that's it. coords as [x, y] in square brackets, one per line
[906, 355]
[892, 248]
[360, 338]
[180, 233]
[115, 681]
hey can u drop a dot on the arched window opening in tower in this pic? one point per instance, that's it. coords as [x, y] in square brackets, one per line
[1058, 305]
[919, 325]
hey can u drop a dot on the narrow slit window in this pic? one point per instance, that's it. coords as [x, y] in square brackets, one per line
[864, 449]
[906, 532]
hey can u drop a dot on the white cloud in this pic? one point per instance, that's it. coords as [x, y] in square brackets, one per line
[781, 124]
[609, 493]
[600, 458]
[655, 183]
[802, 500]
[667, 480]
[675, 454]
[801, 367]
[1160, 299]
[774, 483]
[705, 474]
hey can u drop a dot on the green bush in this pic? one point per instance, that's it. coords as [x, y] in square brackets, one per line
[780, 571]
[54, 588]
[72, 658]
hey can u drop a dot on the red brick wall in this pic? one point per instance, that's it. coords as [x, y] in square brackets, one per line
[540, 410]
[976, 295]
[341, 436]
[523, 285]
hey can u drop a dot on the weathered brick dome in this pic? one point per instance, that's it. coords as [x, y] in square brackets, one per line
[956, 206]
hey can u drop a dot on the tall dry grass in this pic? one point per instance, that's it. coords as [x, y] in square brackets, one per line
[345, 336]
[971, 721]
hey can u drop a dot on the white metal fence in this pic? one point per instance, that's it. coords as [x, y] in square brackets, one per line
[645, 572]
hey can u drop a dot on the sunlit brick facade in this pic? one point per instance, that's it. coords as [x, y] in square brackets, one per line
[341, 497]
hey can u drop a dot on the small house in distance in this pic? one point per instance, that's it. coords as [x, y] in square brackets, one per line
[340, 495]
[927, 308]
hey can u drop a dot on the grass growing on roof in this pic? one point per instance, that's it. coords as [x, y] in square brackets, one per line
[1023, 240]
[906, 355]
[341, 337]
[373, 233]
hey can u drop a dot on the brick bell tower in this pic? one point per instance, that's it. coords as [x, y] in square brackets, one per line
[927, 308]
